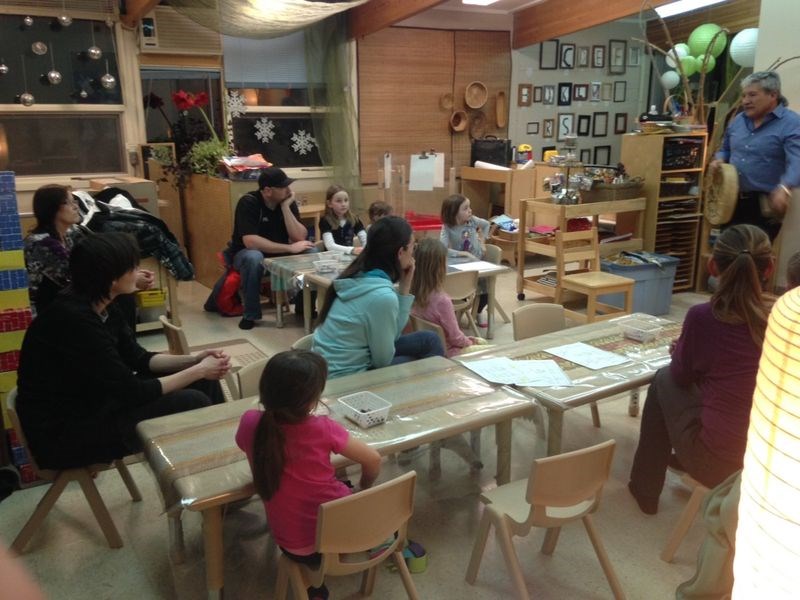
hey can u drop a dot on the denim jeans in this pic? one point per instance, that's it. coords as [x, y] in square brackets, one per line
[417, 345]
[250, 264]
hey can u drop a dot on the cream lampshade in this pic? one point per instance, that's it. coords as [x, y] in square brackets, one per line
[767, 562]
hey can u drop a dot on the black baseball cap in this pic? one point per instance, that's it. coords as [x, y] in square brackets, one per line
[274, 177]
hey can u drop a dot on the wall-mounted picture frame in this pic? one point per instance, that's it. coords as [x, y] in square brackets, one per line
[600, 124]
[634, 56]
[547, 128]
[537, 93]
[548, 94]
[580, 92]
[598, 57]
[584, 125]
[565, 126]
[524, 94]
[606, 91]
[548, 55]
[595, 92]
[620, 122]
[532, 128]
[602, 155]
[617, 56]
[586, 156]
[583, 57]
[567, 54]
[620, 91]
[564, 94]
[546, 149]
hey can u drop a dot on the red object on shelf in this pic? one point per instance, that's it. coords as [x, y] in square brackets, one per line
[423, 222]
[15, 319]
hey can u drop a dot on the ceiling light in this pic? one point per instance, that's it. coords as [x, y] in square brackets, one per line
[479, 2]
[682, 6]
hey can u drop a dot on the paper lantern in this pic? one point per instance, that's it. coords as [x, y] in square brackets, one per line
[689, 65]
[709, 61]
[743, 47]
[700, 40]
[767, 552]
[679, 51]
[670, 80]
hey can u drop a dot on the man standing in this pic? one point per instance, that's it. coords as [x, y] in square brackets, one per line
[763, 143]
[267, 223]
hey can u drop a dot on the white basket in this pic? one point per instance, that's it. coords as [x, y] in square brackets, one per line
[640, 330]
[365, 408]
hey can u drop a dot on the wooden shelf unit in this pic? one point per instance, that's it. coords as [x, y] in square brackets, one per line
[532, 210]
[517, 184]
[673, 215]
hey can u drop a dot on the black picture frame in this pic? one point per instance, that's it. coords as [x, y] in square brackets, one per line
[586, 156]
[566, 53]
[537, 93]
[606, 91]
[548, 94]
[532, 128]
[620, 91]
[600, 124]
[583, 57]
[548, 55]
[564, 94]
[617, 57]
[580, 92]
[620, 122]
[565, 125]
[598, 57]
[548, 128]
[584, 125]
[546, 149]
[602, 155]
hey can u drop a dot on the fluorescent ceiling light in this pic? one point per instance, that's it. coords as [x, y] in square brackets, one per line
[479, 2]
[682, 6]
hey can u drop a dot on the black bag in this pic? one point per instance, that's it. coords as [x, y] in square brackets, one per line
[491, 150]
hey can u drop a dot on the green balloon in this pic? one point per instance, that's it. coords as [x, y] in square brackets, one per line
[689, 65]
[700, 40]
[711, 62]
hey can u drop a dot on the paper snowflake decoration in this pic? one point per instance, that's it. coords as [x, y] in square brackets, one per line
[265, 130]
[303, 142]
[235, 102]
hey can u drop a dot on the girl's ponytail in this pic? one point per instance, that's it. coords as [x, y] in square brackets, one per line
[268, 455]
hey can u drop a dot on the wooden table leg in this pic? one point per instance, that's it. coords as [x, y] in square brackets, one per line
[633, 403]
[280, 300]
[490, 308]
[176, 546]
[555, 422]
[212, 540]
[307, 308]
[502, 433]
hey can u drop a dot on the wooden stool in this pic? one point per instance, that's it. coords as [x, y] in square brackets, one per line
[699, 492]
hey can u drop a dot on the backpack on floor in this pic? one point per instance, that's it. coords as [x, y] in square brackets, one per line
[224, 298]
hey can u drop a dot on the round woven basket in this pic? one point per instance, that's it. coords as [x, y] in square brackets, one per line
[721, 194]
[476, 95]
[477, 125]
[458, 120]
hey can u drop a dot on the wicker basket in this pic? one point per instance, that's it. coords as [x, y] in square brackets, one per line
[607, 192]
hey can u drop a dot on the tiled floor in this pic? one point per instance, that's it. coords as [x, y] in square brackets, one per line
[70, 559]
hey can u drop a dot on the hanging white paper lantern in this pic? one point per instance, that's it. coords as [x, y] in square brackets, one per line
[679, 51]
[743, 47]
[670, 80]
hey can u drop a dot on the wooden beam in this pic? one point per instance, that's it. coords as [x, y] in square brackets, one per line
[135, 10]
[553, 18]
[378, 14]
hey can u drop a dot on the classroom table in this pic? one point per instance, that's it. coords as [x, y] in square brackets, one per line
[199, 467]
[588, 385]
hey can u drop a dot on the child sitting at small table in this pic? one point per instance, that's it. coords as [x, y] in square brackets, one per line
[464, 234]
[289, 450]
[339, 227]
[431, 302]
[378, 210]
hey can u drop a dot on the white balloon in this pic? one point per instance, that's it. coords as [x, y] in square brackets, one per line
[670, 79]
[743, 47]
[679, 50]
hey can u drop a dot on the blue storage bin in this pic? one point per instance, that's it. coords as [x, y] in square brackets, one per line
[652, 293]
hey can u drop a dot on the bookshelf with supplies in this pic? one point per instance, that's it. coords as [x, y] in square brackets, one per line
[672, 168]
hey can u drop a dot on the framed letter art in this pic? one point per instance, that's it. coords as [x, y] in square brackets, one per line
[600, 125]
[532, 128]
[620, 122]
[548, 94]
[537, 93]
[524, 94]
[617, 57]
[584, 125]
[564, 94]
[586, 156]
[595, 91]
[602, 155]
[580, 92]
[620, 88]
[583, 57]
[598, 57]
[547, 128]
[567, 52]
[566, 121]
[548, 55]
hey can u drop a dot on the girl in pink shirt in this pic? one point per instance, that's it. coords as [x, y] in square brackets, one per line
[289, 451]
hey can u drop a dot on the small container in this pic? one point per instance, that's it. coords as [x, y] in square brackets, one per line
[365, 409]
[151, 298]
[639, 330]
[326, 265]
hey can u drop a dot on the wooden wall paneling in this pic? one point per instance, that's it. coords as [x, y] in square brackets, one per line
[734, 14]
[402, 74]
[380, 14]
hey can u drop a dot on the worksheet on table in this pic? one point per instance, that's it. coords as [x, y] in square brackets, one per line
[587, 356]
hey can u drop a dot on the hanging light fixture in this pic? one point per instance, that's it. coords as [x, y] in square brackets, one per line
[64, 19]
[93, 51]
[108, 81]
[25, 98]
[27, 21]
[53, 75]
[3, 67]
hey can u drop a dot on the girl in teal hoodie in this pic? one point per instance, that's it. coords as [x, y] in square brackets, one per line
[363, 314]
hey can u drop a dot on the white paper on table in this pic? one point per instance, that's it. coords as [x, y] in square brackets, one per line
[421, 176]
[387, 170]
[476, 265]
[495, 370]
[541, 373]
[587, 356]
[479, 164]
[438, 173]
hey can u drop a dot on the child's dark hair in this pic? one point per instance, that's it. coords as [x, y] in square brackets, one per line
[378, 210]
[289, 389]
[330, 217]
[743, 256]
[793, 271]
[384, 240]
[450, 207]
[99, 259]
[47, 201]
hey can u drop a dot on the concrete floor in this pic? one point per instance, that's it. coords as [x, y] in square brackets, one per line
[70, 559]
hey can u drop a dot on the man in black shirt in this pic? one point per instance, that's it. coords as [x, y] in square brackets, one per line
[267, 223]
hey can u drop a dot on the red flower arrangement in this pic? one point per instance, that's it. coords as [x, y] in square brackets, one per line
[184, 101]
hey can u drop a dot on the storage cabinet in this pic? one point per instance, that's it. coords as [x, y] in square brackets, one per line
[517, 184]
[672, 168]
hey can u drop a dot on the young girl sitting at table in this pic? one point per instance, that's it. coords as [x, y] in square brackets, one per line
[464, 234]
[431, 302]
[339, 227]
[289, 450]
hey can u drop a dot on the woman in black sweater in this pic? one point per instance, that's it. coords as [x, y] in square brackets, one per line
[83, 380]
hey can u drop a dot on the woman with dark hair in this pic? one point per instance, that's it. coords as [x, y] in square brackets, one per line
[363, 315]
[699, 406]
[83, 381]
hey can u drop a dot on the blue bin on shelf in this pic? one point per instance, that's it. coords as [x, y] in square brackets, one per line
[652, 292]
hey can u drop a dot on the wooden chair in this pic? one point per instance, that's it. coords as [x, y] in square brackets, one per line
[699, 492]
[420, 324]
[304, 343]
[537, 319]
[560, 489]
[356, 524]
[494, 255]
[588, 280]
[247, 378]
[462, 287]
[85, 478]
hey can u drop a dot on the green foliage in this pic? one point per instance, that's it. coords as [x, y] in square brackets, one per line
[205, 155]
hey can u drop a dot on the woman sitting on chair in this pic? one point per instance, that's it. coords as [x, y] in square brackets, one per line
[83, 381]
